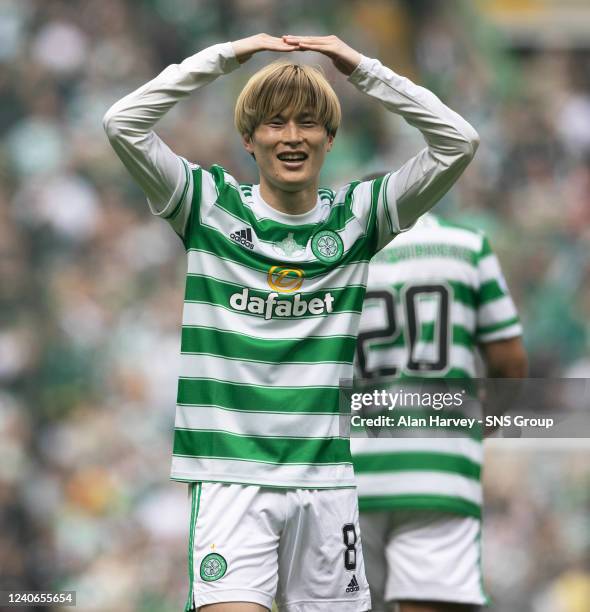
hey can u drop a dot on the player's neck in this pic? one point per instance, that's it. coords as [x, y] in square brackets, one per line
[289, 202]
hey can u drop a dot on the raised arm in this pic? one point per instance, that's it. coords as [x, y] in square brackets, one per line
[129, 122]
[160, 173]
[451, 141]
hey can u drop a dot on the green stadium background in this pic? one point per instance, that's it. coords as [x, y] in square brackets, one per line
[91, 285]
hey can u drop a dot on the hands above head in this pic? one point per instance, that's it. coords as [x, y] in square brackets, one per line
[245, 48]
[345, 58]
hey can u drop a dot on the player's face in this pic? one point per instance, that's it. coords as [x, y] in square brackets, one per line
[290, 150]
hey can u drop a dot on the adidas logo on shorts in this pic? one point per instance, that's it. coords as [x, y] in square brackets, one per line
[353, 585]
[243, 237]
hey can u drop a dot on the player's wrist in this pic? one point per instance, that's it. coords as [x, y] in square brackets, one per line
[350, 63]
[243, 49]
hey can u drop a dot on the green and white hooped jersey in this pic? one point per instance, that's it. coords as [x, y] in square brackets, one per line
[273, 301]
[432, 297]
[270, 319]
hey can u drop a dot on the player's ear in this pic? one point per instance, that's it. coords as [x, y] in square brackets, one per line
[247, 142]
[330, 142]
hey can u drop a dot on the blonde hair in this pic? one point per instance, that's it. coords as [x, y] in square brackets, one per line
[283, 86]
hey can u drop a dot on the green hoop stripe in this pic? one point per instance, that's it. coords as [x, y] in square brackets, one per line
[212, 241]
[276, 451]
[234, 345]
[461, 337]
[486, 249]
[417, 461]
[256, 398]
[490, 291]
[443, 503]
[269, 230]
[462, 292]
[498, 326]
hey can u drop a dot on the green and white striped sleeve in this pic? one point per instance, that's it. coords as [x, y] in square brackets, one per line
[497, 318]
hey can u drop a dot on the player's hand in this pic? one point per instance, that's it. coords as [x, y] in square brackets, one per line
[245, 48]
[345, 58]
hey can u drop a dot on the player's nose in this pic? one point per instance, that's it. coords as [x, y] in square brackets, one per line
[291, 132]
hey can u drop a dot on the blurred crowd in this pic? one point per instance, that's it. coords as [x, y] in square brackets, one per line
[91, 285]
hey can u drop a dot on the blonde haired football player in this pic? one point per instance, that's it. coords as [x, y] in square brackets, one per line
[274, 289]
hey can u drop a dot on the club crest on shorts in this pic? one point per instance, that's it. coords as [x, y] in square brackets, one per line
[213, 567]
[327, 246]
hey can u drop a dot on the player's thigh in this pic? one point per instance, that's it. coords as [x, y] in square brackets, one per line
[433, 606]
[233, 543]
[235, 606]
[434, 557]
[321, 566]
[374, 527]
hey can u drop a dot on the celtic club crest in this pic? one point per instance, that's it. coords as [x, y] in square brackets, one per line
[327, 246]
[213, 567]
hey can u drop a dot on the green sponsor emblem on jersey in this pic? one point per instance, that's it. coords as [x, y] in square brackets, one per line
[213, 567]
[327, 246]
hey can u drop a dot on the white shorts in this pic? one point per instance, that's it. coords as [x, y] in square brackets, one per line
[255, 544]
[422, 556]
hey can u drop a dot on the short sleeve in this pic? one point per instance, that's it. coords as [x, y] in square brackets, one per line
[497, 318]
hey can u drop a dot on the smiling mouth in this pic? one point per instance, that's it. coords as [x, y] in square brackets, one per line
[293, 158]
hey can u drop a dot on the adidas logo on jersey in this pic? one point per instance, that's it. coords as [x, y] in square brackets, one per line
[353, 585]
[243, 237]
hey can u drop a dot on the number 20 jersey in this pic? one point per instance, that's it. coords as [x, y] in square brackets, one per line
[432, 296]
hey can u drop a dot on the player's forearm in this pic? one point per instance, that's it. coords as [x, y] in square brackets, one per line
[517, 367]
[129, 122]
[136, 113]
[452, 141]
[448, 135]
[504, 359]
